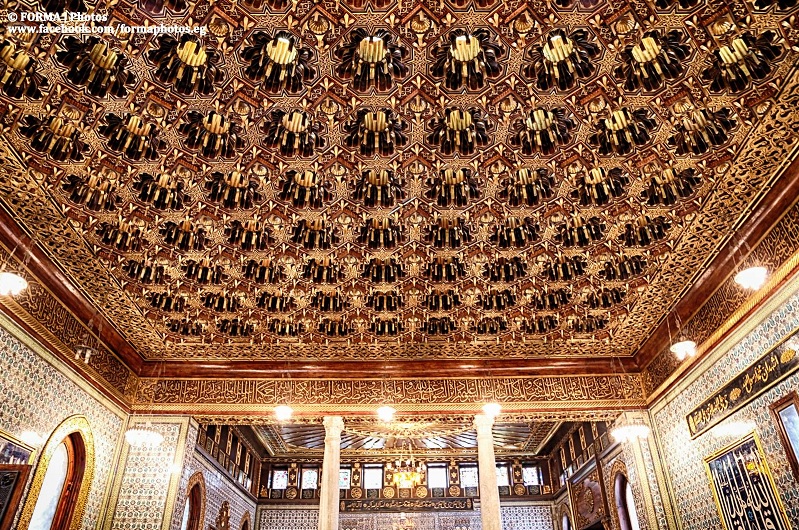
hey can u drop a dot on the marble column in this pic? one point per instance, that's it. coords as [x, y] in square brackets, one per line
[328, 493]
[487, 468]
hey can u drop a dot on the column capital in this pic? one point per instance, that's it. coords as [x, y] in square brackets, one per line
[333, 425]
[483, 423]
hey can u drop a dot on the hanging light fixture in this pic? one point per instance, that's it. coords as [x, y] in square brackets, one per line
[492, 409]
[752, 278]
[627, 430]
[144, 437]
[11, 283]
[283, 412]
[386, 413]
[683, 349]
[406, 472]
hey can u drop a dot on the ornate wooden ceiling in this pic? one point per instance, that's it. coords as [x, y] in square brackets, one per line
[433, 436]
[352, 180]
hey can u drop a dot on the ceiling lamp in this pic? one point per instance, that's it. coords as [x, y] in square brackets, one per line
[293, 133]
[627, 430]
[562, 59]
[622, 130]
[11, 283]
[277, 62]
[492, 409]
[144, 437]
[406, 472]
[186, 64]
[283, 412]
[18, 73]
[683, 349]
[213, 135]
[96, 66]
[386, 413]
[542, 131]
[745, 59]
[653, 60]
[371, 60]
[468, 59]
[459, 130]
[752, 278]
[702, 129]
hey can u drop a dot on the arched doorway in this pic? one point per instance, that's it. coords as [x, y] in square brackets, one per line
[194, 511]
[60, 487]
[625, 503]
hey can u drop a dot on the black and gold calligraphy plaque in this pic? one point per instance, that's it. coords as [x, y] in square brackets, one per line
[405, 505]
[761, 375]
[743, 487]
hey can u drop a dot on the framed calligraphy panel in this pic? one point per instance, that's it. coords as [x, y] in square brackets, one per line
[743, 487]
[786, 415]
[777, 364]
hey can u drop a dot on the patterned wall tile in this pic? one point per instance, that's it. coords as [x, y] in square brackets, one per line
[36, 396]
[145, 482]
[683, 457]
[538, 517]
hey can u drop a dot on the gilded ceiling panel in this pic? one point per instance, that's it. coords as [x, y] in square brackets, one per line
[402, 180]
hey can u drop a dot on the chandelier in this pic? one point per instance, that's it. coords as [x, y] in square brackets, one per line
[406, 472]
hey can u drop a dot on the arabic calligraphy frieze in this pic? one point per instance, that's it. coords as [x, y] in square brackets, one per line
[743, 488]
[625, 387]
[405, 505]
[771, 368]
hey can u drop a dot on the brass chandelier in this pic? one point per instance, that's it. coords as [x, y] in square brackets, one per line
[406, 472]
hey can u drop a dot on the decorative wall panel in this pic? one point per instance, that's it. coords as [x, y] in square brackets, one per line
[145, 476]
[520, 517]
[28, 384]
[683, 457]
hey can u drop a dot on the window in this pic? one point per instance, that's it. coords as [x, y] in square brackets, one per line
[344, 478]
[191, 515]
[468, 476]
[625, 503]
[786, 414]
[53, 485]
[61, 485]
[502, 475]
[280, 479]
[310, 478]
[373, 477]
[437, 476]
[531, 475]
[567, 525]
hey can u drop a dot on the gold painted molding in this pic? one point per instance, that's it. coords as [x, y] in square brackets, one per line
[74, 424]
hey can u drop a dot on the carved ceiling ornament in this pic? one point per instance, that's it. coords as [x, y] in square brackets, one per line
[192, 176]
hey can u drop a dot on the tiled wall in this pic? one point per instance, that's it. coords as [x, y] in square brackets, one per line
[218, 489]
[36, 396]
[150, 477]
[683, 457]
[538, 517]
